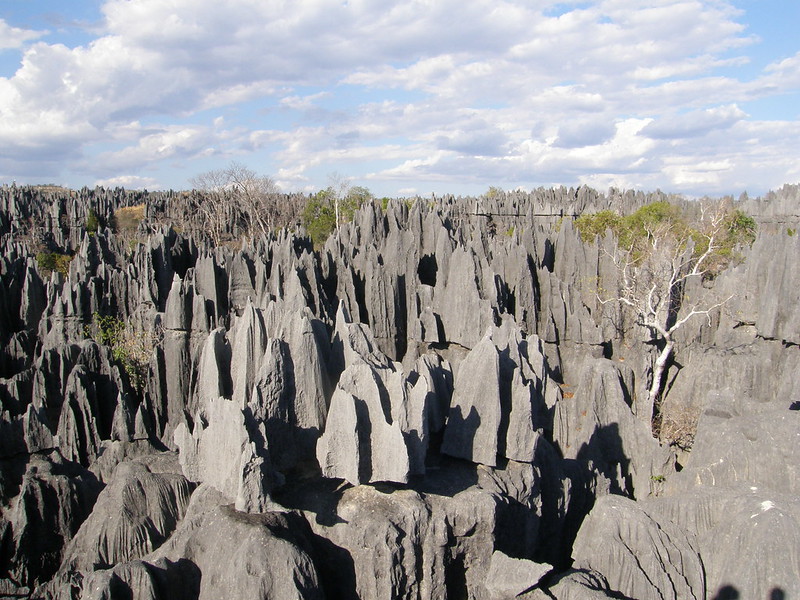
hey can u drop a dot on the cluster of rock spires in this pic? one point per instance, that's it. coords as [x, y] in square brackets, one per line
[432, 405]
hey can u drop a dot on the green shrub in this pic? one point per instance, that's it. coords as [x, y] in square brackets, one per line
[591, 226]
[494, 192]
[740, 228]
[131, 349]
[319, 217]
[53, 261]
[92, 222]
[358, 195]
[661, 218]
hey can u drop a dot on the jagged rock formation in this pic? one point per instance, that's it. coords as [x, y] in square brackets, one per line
[432, 405]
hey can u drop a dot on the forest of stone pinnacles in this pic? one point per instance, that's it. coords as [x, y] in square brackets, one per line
[555, 394]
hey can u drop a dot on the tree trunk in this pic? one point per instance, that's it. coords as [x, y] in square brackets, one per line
[660, 366]
[336, 213]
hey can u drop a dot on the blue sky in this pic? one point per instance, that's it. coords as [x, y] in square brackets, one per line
[689, 96]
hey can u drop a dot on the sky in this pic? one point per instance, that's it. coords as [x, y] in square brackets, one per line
[699, 97]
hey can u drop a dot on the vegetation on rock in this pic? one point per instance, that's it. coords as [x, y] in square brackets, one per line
[132, 349]
[660, 251]
[54, 261]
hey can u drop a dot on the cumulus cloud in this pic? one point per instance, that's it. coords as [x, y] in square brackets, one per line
[491, 91]
[585, 132]
[15, 37]
[695, 123]
[172, 142]
[131, 182]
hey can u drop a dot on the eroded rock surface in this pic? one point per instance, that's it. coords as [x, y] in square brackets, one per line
[434, 404]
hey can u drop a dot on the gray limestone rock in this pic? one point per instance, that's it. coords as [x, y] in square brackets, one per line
[249, 340]
[458, 301]
[305, 348]
[499, 405]
[774, 262]
[574, 584]
[142, 451]
[476, 411]
[361, 442]
[213, 371]
[136, 512]
[761, 449]
[223, 553]
[439, 377]
[240, 282]
[36, 430]
[423, 283]
[271, 403]
[228, 451]
[598, 424]
[638, 555]
[431, 539]
[738, 494]
[54, 497]
[177, 352]
[511, 577]
[78, 427]
[748, 537]
[134, 579]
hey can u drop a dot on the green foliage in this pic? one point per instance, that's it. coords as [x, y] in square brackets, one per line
[740, 228]
[494, 192]
[92, 222]
[109, 331]
[130, 349]
[634, 231]
[54, 261]
[637, 227]
[591, 226]
[657, 478]
[790, 232]
[359, 195]
[319, 214]
[384, 203]
[633, 228]
[510, 231]
[319, 217]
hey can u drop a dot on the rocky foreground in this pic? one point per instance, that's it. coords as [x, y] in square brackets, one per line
[433, 405]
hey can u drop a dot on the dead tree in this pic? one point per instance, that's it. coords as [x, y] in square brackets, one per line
[654, 270]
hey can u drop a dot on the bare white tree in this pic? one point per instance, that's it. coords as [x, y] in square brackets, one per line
[339, 185]
[238, 192]
[654, 272]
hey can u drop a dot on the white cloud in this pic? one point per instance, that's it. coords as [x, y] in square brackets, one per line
[695, 123]
[785, 74]
[173, 142]
[489, 90]
[585, 132]
[303, 102]
[132, 182]
[14, 37]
